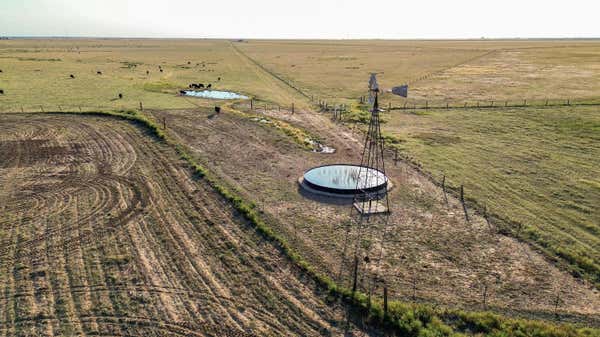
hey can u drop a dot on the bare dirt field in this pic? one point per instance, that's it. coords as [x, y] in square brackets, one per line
[104, 232]
[430, 251]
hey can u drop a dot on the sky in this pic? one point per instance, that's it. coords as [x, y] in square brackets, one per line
[324, 19]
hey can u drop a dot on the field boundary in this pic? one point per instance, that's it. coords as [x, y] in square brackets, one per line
[410, 319]
[494, 104]
[281, 79]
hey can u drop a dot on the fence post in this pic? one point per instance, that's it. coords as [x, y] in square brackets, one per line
[524, 102]
[80, 108]
[355, 274]
[42, 107]
[486, 217]
[556, 303]
[251, 104]
[292, 108]
[22, 109]
[444, 189]
[492, 104]
[446, 105]
[164, 123]
[414, 294]
[505, 103]
[485, 288]
[385, 301]
[426, 104]
[141, 107]
[462, 200]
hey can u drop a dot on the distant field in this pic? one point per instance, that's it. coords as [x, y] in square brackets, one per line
[437, 70]
[37, 73]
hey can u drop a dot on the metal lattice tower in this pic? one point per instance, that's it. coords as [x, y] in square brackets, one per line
[367, 230]
[372, 167]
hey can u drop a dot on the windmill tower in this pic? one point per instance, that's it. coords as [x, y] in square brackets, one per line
[366, 231]
[368, 201]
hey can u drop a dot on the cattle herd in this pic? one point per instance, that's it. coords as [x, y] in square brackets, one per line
[120, 95]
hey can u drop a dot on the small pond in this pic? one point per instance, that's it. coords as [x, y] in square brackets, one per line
[215, 94]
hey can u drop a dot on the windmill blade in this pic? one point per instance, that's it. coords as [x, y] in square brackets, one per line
[401, 90]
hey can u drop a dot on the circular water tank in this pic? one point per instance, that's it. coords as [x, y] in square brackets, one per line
[344, 179]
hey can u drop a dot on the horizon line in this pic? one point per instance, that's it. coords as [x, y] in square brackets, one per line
[4, 37]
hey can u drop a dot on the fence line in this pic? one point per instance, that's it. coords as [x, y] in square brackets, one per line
[493, 104]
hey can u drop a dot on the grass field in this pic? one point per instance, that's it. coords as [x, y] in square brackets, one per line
[537, 167]
[72, 187]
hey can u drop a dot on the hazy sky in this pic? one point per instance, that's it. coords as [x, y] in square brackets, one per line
[399, 19]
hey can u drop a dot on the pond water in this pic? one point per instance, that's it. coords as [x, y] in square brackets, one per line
[215, 94]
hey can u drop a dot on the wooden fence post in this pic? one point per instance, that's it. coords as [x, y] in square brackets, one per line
[414, 293]
[42, 107]
[556, 303]
[22, 109]
[486, 217]
[462, 200]
[485, 289]
[164, 123]
[385, 301]
[355, 274]
[444, 189]
[141, 107]
[292, 108]
[251, 104]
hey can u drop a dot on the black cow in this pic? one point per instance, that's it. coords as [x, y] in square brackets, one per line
[72, 76]
[0, 70]
[161, 70]
[209, 85]
[200, 85]
[1, 92]
[189, 62]
[120, 95]
[98, 73]
[218, 78]
[217, 109]
[182, 92]
[147, 72]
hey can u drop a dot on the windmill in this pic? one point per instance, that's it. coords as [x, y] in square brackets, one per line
[372, 167]
[371, 207]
